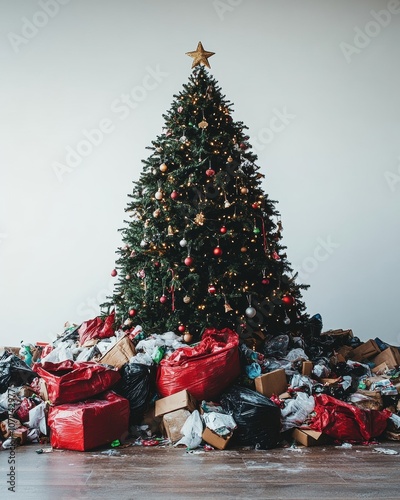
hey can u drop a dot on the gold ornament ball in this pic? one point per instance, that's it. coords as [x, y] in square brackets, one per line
[163, 167]
[229, 159]
[244, 190]
[188, 337]
[158, 195]
[186, 299]
[156, 212]
[243, 249]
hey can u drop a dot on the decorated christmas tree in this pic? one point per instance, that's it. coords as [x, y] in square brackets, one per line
[202, 243]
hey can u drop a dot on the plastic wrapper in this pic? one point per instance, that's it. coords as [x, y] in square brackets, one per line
[320, 370]
[89, 424]
[297, 410]
[297, 354]
[220, 423]
[204, 370]
[72, 381]
[88, 354]
[13, 371]
[97, 328]
[301, 382]
[192, 431]
[346, 422]
[137, 385]
[37, 418]
[253, 370]
[258, 419]
[60, 353]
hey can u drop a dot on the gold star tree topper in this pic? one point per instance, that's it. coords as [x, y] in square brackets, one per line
[200, 56]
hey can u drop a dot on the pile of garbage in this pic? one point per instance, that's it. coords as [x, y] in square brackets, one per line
[94, 386]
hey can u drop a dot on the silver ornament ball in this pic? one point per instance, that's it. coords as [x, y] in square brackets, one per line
[250, 312]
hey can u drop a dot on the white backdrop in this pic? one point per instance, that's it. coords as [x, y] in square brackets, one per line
[316, 82]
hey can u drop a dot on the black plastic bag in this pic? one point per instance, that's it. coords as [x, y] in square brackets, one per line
[14, 371]
[258, 419]
[277, 347]
[137, 385]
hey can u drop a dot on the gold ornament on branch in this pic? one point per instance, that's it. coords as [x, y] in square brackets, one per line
[200, 56]
[199, 219]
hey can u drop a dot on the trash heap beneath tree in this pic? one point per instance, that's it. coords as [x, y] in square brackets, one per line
[205, 341]
[216, 393]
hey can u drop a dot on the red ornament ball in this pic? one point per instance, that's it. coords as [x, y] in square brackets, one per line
[218, 251]
[222, 230]
[212, 289]
[265, 281]
[174, 195]
[188, 261]
[255, 205]
[163, 299]
[114, 273]
[132, 312]
[288, 300]
[210, 172]
[157, 264]
[243, 146]
[181, 328]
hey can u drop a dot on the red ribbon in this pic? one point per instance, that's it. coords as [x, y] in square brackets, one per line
[172, 291]
[264, 235]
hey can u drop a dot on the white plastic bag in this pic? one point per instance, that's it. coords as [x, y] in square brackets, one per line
[37, 418]
[220, 423]
[297, 410]
[192, 431]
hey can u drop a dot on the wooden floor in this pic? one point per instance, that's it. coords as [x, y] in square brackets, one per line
[171, 473]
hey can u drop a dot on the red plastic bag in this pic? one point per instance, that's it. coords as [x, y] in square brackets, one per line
[97, 328]
[346, 422]
[23, 411]
[71, 381]
[205, 370]
[89, 424]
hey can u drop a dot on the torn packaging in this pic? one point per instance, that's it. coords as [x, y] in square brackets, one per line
[71, 381]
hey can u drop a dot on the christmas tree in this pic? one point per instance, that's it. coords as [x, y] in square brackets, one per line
[202, 246]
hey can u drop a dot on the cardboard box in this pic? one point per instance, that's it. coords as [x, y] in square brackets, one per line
[307, 437]
[274, 382]
[339, 333]
[306, 368]
[367, 350]
[181, 400]
[215, 440]
[390, 356]
[345, 351]
[380, 369]
[119, 354]
[173, 423]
